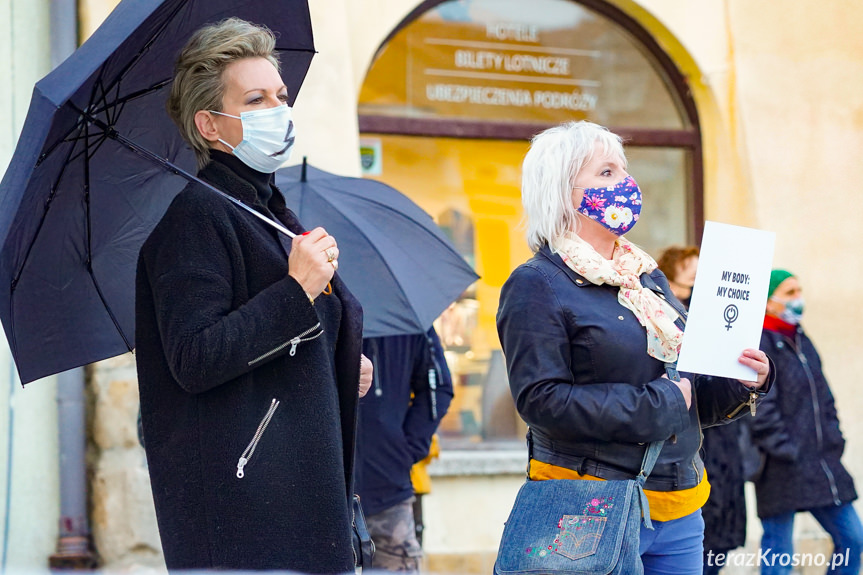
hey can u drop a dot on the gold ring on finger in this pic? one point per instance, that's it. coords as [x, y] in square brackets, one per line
[331, 254]
[335, 264]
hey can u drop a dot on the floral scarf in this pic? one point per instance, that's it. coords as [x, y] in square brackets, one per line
[624, 270]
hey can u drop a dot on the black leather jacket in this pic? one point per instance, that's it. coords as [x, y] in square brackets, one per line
[582, 380]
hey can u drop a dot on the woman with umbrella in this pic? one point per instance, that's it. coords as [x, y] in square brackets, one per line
[248, 345]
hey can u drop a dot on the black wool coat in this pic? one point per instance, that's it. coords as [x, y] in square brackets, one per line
[797, 430]
[225, 339]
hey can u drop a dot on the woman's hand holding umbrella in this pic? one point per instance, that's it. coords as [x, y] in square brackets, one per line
[313, 260]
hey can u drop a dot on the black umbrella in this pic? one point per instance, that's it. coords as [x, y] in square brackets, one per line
[393, 257]
[96, 166]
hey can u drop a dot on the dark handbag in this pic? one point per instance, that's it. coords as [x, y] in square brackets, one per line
[578, 527]
[364, 547]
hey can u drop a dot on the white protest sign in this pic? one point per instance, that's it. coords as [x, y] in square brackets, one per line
[726, 313]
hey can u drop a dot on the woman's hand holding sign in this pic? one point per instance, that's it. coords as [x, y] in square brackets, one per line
[756, 360]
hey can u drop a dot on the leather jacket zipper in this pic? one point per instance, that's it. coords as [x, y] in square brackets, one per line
[293, 342]
[250, 449]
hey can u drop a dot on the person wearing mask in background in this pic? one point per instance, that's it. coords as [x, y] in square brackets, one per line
[725, 511]
[797, 432]
[248, 344]
[679, 263]
[411, 392]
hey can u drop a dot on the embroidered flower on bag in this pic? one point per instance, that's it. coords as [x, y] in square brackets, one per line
[598, 506]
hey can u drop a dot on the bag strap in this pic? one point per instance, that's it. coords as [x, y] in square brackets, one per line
[650, 457]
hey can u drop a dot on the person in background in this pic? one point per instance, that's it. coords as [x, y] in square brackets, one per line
[797, 431]
[725, 511]
[411, 392]
[590, 329]
[679, 263]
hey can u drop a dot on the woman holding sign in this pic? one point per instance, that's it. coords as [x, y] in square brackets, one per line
[588, 327]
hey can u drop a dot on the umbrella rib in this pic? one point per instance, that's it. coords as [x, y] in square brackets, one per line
[89, 262]
[131, 64]
[103, 99]
[85, 151]
[97, 145]
[78, 125]
[178, 171]
[64, 138]
[133, 96]
[382, 258]
[389, 208]
[48, 204]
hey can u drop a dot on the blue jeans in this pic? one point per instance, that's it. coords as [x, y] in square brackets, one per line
[843, 525]
[674, 547]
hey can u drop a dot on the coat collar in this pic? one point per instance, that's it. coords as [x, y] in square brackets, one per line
[649, 281]
[227, 180]
[579, 280]
[223, 177]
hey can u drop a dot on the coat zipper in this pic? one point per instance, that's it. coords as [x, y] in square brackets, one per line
[816, 410]
[355, 530]
[293, 342]
[250, 449]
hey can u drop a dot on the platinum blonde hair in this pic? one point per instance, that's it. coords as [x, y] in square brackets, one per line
[199, 68]
[549, 170]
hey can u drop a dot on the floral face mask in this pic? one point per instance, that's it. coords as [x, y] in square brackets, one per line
[615, 207]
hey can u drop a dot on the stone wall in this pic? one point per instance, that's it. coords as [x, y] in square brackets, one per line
[122, 515]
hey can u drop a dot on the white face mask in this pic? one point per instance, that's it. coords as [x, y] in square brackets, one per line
[268, 136]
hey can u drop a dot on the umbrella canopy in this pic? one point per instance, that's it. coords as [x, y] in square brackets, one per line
[76, 203]
[393, 257]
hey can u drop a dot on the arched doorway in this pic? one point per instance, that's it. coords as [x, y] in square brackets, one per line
[446, 112]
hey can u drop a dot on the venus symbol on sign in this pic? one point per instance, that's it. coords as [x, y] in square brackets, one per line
[730, 315]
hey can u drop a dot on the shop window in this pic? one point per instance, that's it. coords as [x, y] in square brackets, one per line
[446, 112]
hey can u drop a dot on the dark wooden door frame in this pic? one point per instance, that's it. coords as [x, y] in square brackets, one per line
[688, 139]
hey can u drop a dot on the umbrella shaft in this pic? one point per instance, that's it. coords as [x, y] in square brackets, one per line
[163, 162]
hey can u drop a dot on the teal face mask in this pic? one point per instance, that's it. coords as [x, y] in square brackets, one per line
[793, 311]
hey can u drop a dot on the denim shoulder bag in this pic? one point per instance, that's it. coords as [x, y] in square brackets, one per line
[578, 527]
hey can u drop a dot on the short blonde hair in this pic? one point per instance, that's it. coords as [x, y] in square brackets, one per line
[199, 68]
[550, 168]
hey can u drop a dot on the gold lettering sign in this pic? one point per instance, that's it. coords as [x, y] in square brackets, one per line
[474, 69]
[544, 61]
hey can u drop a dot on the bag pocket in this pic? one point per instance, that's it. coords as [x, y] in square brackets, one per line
[572, 527]
[579, 535]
